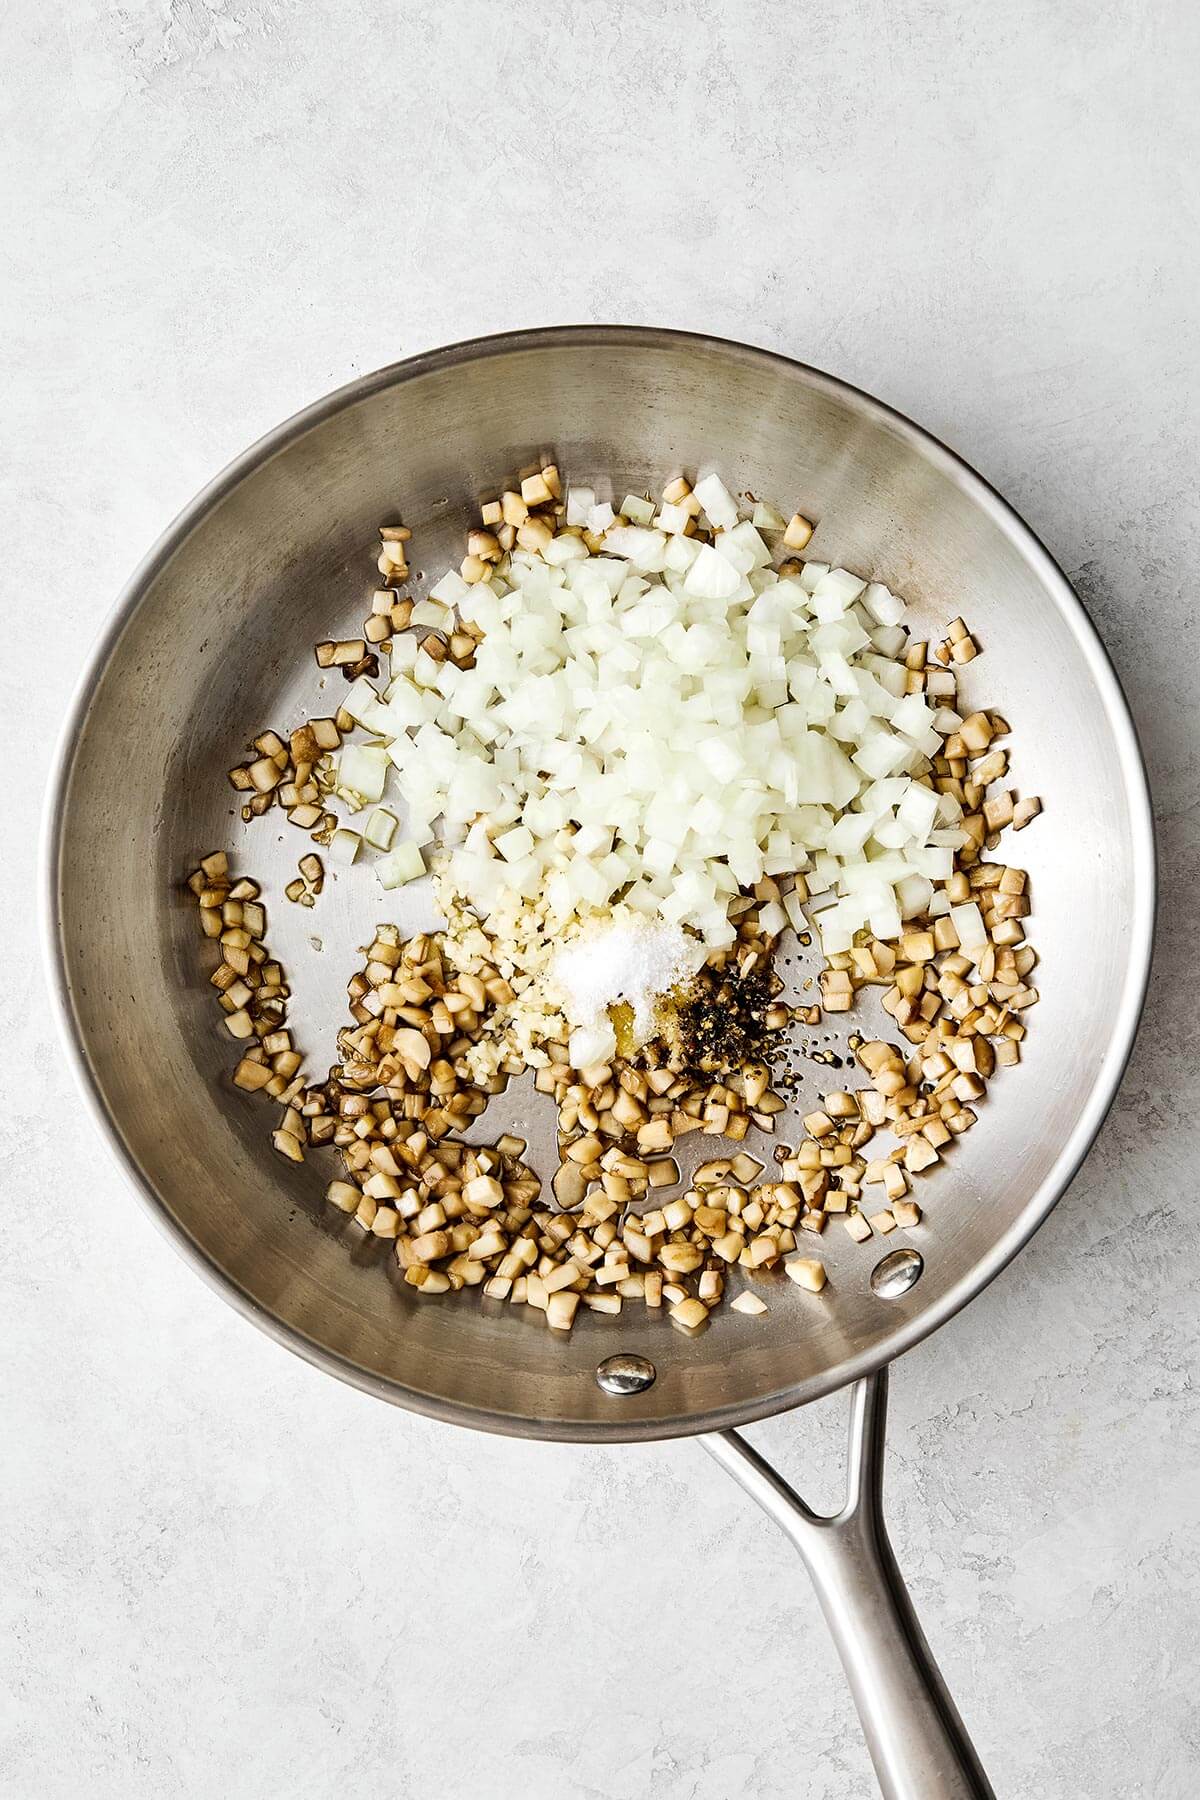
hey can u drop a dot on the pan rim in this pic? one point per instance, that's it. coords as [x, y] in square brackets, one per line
[1071, 1155]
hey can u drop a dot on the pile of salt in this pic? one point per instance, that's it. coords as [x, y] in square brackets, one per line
[636, 962]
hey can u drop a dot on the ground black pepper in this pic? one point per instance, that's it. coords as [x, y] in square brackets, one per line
[723, 1022]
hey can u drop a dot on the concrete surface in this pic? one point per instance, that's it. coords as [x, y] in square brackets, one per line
[226, 1575]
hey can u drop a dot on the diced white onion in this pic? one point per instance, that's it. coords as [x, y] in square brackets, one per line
[663, 724]
[580, 502]
[634, 507]
[343, 846]
[967, 920]
[362, 769]
[401, 865]
[379, 829]
[717, 501]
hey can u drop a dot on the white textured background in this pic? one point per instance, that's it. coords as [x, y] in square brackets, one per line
[226, 1575]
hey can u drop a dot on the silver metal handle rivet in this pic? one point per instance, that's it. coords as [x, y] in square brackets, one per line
[895, 1273]
[625, 1374]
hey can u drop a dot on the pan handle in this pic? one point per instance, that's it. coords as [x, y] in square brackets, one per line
[917, 1741]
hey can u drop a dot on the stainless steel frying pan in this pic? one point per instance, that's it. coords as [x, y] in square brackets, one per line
[210, 642]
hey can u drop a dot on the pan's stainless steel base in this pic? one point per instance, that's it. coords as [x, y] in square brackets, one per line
[917, 1741]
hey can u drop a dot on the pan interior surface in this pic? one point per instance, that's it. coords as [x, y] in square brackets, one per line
[213, 643]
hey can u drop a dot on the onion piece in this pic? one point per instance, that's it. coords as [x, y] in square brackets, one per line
[401, 865]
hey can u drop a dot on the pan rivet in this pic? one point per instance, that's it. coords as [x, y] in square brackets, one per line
[894, 1274]
[625, 1374]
